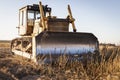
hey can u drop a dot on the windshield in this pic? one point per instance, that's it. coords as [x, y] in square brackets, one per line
[33, 15]
[37, 15]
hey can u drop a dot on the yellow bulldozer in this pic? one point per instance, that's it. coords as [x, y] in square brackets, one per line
[42, 34]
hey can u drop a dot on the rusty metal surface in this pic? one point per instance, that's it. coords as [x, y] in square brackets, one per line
[65, 42]
[58, 24]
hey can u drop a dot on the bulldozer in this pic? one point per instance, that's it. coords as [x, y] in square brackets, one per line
[47, 36]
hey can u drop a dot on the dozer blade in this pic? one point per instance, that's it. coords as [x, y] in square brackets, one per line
[65, 43]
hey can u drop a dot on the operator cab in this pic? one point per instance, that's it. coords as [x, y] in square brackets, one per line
[27, 17]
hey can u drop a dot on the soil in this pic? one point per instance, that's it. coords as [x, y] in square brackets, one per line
[13, 67]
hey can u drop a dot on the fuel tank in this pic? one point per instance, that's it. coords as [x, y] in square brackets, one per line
[65, 43]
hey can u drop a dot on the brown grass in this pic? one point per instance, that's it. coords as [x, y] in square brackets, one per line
[105, 66]
[91, 67]
[4, 44]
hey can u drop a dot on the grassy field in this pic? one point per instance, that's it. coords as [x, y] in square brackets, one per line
[4, 43]
[105, 66]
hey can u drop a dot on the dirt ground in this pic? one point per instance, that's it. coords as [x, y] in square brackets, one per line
[13, 67]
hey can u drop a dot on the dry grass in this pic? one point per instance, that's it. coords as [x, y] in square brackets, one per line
[4, 44]
[91, 67]
[105, 66]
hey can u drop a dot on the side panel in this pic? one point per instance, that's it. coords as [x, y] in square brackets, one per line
[26, 22]
[22, 21]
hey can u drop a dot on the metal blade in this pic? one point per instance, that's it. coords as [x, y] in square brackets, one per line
[65, 42]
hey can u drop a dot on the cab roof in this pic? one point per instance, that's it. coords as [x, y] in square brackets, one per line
[34, 7]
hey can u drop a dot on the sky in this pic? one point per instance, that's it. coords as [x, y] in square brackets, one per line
[100, 17]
